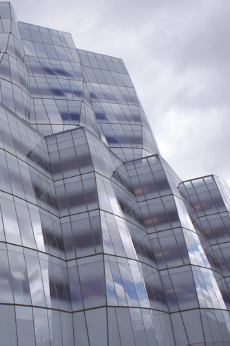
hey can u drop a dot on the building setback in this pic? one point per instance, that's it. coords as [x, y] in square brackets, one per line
[100, 242]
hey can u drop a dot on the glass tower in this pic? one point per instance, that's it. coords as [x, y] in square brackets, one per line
[100, 242]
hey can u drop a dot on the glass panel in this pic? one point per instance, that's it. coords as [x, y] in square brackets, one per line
[193, 327]
[82, 236]
[25, 326]
[97, 326]
[35, 281]
[7, 325]
[25, 226]
[113, 333]
[41, 327]
[10, 222]
[80, 331]
[138, 327]
[92, 284]
[75, 291]
[19, 278]
[6, 295]
[55, 331]
[67, 329]
[124, 324]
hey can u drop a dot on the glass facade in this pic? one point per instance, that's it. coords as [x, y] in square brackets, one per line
[100, 242]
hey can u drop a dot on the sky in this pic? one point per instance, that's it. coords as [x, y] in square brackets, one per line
[177, 53]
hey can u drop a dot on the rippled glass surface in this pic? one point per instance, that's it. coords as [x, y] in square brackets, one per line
[100, 241]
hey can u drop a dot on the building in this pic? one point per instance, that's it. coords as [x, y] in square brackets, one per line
[100, 242]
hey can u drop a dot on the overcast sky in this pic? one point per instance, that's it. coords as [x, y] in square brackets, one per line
[178, 55]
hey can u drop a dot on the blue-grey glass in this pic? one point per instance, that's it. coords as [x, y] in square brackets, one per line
[29, 48]
[97, 326]
[25, 226]
[5, 68]
[125, 327]
[80, 330]
[90, 192]
[116, 242]
[82, 236]
[4, 178]
[96, 229]
[5, 279]
[46, 278]
[56, 337]
[128, 284]
[75, 289]
[10, 222]
[41, 326]
[92, 284]
[6, 137]
[73, 190]
[19, 278]
[15, 177]
[100, 241]
[7, 325]
[170, 293]
[45, 35]
[180, 335]
[110, 286]
[2, 232]
[67, 329]
[150, 330]
[192, 322]
[120, 292]
[170, 250]
[138, 327]
[113, 332]
[25, 326]
[138, 280]
[7, 96]
[184, 289]
[35, 281]
[211, 331]
[68, 239]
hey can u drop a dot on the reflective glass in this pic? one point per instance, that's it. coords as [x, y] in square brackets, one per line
[92, 284]
[7, 325]
[19, 278]
[97, 326]
[41, 326]
[100, 241]
[25, 326]
[35, 281]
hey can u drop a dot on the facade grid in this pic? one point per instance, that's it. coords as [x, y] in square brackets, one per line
[101, 243]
